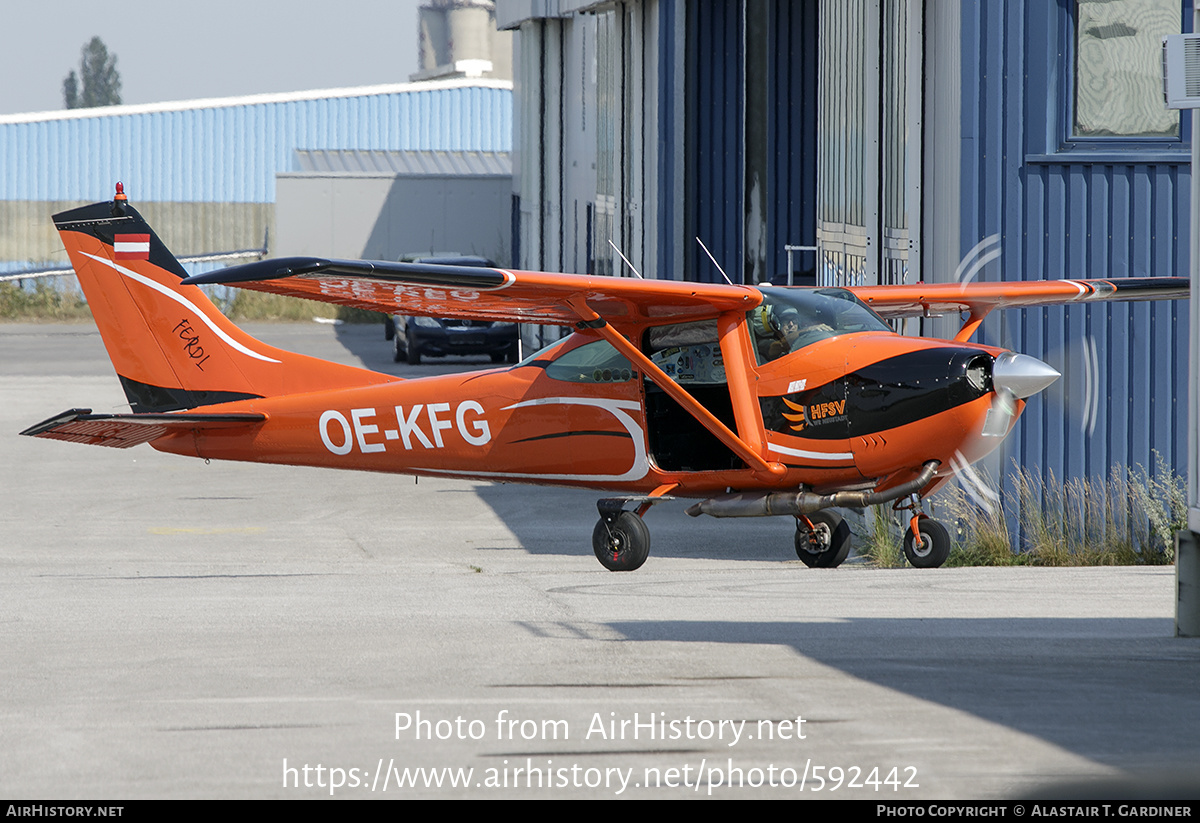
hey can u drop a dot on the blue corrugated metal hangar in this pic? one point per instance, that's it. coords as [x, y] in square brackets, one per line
[204, 171]
[906, 140]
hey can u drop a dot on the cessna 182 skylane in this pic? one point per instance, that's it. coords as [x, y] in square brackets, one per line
[757, 401]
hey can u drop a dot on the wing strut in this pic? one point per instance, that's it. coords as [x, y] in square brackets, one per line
[591, 320]
[973, 321]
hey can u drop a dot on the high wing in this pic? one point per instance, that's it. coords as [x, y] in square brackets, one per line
[978, 299]
[484, 293]
[924, 299]
[541, 297]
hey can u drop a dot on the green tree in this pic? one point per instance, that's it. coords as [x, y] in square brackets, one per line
[98, 82]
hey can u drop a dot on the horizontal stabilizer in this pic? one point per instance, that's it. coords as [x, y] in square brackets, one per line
[120, 431]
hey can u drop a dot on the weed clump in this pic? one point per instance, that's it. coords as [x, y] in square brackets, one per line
[41, 302]
[1125, 519]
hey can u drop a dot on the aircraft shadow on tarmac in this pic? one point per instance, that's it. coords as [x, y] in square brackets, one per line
[560, 522]
[1117, 691]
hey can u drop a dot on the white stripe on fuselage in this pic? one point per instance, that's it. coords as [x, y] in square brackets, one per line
[810, 455]
[637, 470]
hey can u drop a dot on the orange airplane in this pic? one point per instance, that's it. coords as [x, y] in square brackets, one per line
[756, 400]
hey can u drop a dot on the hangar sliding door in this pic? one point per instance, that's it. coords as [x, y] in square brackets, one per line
[751, 136]
[869, 141]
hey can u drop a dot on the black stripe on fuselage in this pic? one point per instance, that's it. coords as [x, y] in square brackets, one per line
[881, 396]
[144, 397]
[625, 435]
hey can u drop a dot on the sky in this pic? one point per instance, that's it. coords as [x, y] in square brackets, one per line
[176, 50]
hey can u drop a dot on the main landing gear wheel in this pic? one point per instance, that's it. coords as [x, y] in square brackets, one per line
[826, 544]
[621, 543]
[935, 544]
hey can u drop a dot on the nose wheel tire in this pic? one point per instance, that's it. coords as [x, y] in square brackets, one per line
[621, 544]
[935, 544]
[826, 544]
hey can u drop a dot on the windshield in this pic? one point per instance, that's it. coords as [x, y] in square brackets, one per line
[790, 319]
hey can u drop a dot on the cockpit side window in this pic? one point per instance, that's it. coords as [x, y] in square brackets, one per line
[595, 362]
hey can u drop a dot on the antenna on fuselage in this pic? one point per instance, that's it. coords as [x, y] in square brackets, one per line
[715, 263]
[626, 259]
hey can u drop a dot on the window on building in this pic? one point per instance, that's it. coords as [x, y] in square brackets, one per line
[1118, 68]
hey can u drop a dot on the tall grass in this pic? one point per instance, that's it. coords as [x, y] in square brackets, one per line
[1127, 518]
[44, 301]
[881, 545]
[256, 305]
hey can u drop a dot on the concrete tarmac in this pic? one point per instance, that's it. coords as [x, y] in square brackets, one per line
[171, 629]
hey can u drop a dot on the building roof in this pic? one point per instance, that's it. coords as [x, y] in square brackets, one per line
[402, 163]
[250, 100]
[230, 149]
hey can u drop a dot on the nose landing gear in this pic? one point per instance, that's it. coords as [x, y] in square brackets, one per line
[926, 541]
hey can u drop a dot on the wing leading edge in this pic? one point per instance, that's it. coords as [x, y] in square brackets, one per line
[978, 299]
[933, 298]
[482, 293]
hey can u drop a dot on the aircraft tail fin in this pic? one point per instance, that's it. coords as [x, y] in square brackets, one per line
[171, 348]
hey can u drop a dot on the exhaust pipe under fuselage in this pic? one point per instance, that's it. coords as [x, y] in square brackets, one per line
[768, 504]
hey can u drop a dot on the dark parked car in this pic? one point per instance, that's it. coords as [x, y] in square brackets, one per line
[416, 337]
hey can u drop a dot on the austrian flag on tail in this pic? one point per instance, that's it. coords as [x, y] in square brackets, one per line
[131, 247]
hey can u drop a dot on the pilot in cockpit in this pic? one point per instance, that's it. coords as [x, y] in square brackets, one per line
[788, 333]
[796, 330]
